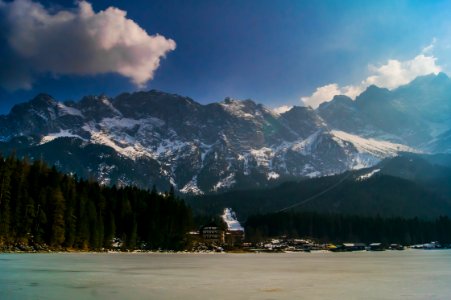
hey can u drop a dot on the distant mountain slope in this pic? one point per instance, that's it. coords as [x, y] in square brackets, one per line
[417, 114]
[153, 137]
[382, 190]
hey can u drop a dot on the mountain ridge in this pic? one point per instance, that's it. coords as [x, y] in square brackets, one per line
[153, 137]
[409, 185]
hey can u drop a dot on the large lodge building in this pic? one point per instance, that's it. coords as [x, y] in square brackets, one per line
[232, 234]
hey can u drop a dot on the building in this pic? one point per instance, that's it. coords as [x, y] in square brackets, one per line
[229, 232]
[354, 246]
[212, 233]
[376, 247]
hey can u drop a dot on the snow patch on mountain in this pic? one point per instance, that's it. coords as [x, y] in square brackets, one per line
[174, 140]
[236, 108]
[225, 183]
[368, 175]
[306, 146]
[120, 123]
[374, 147]
[62, 133]
[67, 110]
[104, 172]
[107, 102]
[192, 188]
[363, 160]
[272, 175]
[263, 156]
[129, 148]
[169, 147]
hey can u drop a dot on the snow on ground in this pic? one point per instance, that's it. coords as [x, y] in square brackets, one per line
[191, 187]
[169, 147]
[133, 150]
[67, 110]
[42, 115]
[245, 159]
[62, 133]
[306, 147]
[104, 172]
[235, 107]
[108, 103]
[114, 133]
[272, 175]
[313, 174]
[377, 148]
[367, 175]
[229, 218]
[363, 160]
[204, 150]
[263, 156]
[227, 182]
[116, 123]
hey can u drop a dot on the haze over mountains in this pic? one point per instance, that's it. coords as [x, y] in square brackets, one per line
[153, 137]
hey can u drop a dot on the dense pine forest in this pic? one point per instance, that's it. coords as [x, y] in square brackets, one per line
[41, 208]
[384, 195]
[341, 228]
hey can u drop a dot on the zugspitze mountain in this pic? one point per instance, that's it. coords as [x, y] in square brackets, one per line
[156, 138]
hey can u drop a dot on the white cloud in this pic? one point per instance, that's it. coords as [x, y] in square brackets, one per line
[396, 73]
[390, 75]
[327, 92]
[79, 41]
[282, 109]
[323, 93]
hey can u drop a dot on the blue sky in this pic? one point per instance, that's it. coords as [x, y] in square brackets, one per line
[274, 52]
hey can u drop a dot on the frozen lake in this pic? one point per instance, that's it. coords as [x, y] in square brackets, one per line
[410, 274]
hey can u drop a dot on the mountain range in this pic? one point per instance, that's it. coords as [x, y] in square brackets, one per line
[409, 185]
[157, 138]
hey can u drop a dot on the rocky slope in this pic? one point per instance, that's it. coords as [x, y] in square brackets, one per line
[153, 137]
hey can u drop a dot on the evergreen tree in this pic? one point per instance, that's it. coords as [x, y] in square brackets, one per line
[5, 198]
[39, 205]
[57, 202]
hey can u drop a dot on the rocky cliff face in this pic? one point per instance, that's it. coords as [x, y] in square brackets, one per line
[147, 138]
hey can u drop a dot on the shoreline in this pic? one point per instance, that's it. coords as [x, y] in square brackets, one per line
[210, 252]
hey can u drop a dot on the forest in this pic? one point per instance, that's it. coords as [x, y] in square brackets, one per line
[44, 209]
[345, 228]
[382, 194]
[41, 208]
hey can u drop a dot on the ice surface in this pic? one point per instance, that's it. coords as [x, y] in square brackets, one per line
[409, 274]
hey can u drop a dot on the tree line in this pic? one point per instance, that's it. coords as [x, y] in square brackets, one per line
[344, 228]
[41, 206]
[381, 194]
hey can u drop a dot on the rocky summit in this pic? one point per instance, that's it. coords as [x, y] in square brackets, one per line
[156, 138]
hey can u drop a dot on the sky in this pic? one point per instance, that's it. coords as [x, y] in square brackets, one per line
[279, 53]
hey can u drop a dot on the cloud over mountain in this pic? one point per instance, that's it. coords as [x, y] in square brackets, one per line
[74, 42]
[391, 75]
[327, 92]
